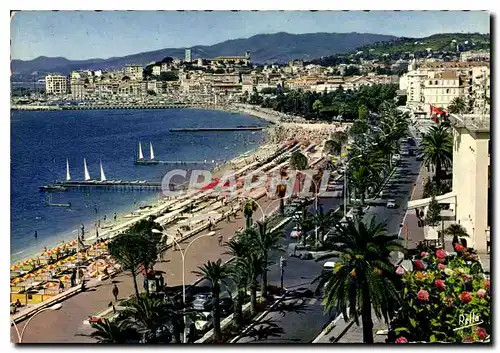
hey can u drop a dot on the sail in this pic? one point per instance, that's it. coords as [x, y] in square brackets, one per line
[103, 177]
[140, 151]
[68, 177]
[86, 170]
[151, 151]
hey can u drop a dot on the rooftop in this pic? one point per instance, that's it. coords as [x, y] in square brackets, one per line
[472, 122]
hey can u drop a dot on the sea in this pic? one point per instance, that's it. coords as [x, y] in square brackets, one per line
[42, 141]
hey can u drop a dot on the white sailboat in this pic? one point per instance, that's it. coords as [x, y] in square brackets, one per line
[103, 177]
[151, 153]
[68, 177]
[86, 170]
[140, 151]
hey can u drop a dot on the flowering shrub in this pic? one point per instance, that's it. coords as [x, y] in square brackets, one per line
[443, 293]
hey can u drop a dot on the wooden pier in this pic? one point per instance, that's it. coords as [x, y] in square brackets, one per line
[111, 184]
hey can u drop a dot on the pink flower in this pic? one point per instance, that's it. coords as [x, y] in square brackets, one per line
[441, 266]
[466, 277]
[486, 284]
[401, 340]
[423, 295]
[481, 333]
[441, 254]
[400, 271]
[440, 284]
[465, 297]
[459, 248]
[468, 339]
[419, 265]
[481, 293]
[424, 254]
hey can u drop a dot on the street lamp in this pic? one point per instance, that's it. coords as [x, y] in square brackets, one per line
[183, 256]
[20, 336]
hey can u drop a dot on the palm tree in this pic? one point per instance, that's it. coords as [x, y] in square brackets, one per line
[457, 231]
[436, 149]
[248, 210]
[298, 161]
[215, 272]
[147, 314]
[239, 248]
[457, 106]
[365, 279]
[263, 241]
[128, 250]
[152, 243]
[361, 178]
[332, 147]
[117, 331]
[253, 265]
[324, 222]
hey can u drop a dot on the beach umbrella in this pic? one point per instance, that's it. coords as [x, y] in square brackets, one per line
[14, 267]
[17, 280]
[57, 249]
[65, 278]
[50, 285]
[28, 276]
[41, 271]
[59, 263]
[51, 267]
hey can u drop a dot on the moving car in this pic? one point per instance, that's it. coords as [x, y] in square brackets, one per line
[298, 250]
[391, 203]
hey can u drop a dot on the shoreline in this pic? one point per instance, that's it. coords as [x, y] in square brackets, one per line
[124, 212]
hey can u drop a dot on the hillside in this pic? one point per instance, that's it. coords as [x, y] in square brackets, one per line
[437, 42]
[264, 48]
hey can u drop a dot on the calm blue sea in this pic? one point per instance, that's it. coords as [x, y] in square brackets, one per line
[41, 142]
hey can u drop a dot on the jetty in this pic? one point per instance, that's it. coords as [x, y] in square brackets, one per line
[104, 106]
[111, 184]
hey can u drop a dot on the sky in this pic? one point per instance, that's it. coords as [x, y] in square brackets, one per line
[79, 35]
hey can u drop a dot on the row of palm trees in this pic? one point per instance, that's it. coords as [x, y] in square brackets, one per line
[250, 249]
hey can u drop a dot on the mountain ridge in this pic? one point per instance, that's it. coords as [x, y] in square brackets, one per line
[264, 48]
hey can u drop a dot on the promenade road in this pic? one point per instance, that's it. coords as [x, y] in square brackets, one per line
[66, 325]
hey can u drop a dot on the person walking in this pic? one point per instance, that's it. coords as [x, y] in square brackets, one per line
[82, 228]
[36, 234]
[115, 292]
[73, 278]
[221, 238]
[210, 224]
[104, 218]
[114, 217]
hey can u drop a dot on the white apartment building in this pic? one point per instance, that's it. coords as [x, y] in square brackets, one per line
[475, 56]
[470, 199]
[56, 84]
[134, 71]
[471, 177]
[77, 89]
[187, 55]
[474, 76]
[156, 70]
[439, 89]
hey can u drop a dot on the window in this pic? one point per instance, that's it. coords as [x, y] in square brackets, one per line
[447, 90]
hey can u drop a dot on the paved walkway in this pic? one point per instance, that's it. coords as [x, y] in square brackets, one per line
[66, 325]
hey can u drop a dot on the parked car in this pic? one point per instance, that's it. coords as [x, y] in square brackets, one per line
[295, 233]
[391, 203]
[203, 302]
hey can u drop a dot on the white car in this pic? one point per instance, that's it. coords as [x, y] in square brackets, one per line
[295, 233]
[391, 203]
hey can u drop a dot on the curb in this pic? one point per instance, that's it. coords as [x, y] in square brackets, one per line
[259, 318]
[328, 328]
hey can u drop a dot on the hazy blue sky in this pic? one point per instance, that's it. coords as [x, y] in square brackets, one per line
[88, 34]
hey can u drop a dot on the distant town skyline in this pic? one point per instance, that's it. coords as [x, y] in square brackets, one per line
[83, 35]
